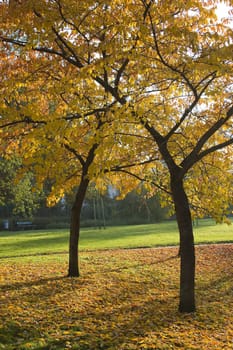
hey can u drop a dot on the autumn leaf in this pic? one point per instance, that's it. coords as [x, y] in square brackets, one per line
[128, 303]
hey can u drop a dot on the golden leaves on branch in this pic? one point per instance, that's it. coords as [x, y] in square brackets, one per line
[79, 63]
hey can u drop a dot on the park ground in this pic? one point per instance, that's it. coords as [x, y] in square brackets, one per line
[124, 299]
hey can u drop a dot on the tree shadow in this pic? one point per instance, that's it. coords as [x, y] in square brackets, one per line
[28, 284]
[84, 313]
[139, 321]
[218, 285]
[107, 308]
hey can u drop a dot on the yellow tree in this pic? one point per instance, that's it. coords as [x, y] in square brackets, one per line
[57, 133]
[185, 105]
[59, 116]
[156, 78]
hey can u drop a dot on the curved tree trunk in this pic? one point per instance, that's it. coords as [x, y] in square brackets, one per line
[187, 250]
[75, 229]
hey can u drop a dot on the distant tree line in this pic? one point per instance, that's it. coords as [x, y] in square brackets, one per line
[21, 200]
[99, 212]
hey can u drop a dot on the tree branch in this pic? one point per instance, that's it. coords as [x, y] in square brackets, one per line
[193, 104]
[145, 180]
[76, 154]
[120, 72]
[121, 167]
[195, 156]
[162, 144]
[214, 148]
[27, 120]
[67, 46]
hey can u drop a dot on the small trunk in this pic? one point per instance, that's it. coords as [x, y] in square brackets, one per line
[187, 251]
[73, 244]
[75, 229]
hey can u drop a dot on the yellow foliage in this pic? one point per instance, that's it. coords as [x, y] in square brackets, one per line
[91, 88]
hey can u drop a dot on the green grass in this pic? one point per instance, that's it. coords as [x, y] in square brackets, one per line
[162, 234]
[124, 299]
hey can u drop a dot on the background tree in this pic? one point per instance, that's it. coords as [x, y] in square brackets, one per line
[106, 208]
[17, 197]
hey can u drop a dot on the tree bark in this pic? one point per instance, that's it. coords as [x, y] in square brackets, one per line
[187, 250]
[75, 229]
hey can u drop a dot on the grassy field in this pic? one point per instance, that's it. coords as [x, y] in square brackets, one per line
[124, 300]
[162, 234]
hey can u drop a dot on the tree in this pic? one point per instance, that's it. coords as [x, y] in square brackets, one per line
[160, 74]
[194, 76]
[52, 152]
[59, 130]
[137, 207]
[17, 194]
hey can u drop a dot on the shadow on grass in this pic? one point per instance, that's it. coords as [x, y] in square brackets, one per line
[40, 282]
[97, 329]
[222, 286]
[44, 281]
[104, 309]
[43, 241]
[33, 254]
[29, 240]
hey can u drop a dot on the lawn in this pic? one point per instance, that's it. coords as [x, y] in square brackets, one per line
[162, 234]
[124, 300]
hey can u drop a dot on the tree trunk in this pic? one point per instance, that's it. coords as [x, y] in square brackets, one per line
[75, 229]
[187, 251]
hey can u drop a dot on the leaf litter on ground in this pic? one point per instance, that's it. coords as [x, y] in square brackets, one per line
[124, 300]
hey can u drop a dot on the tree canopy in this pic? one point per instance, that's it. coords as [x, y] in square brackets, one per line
[140, 71]
[140, 88]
